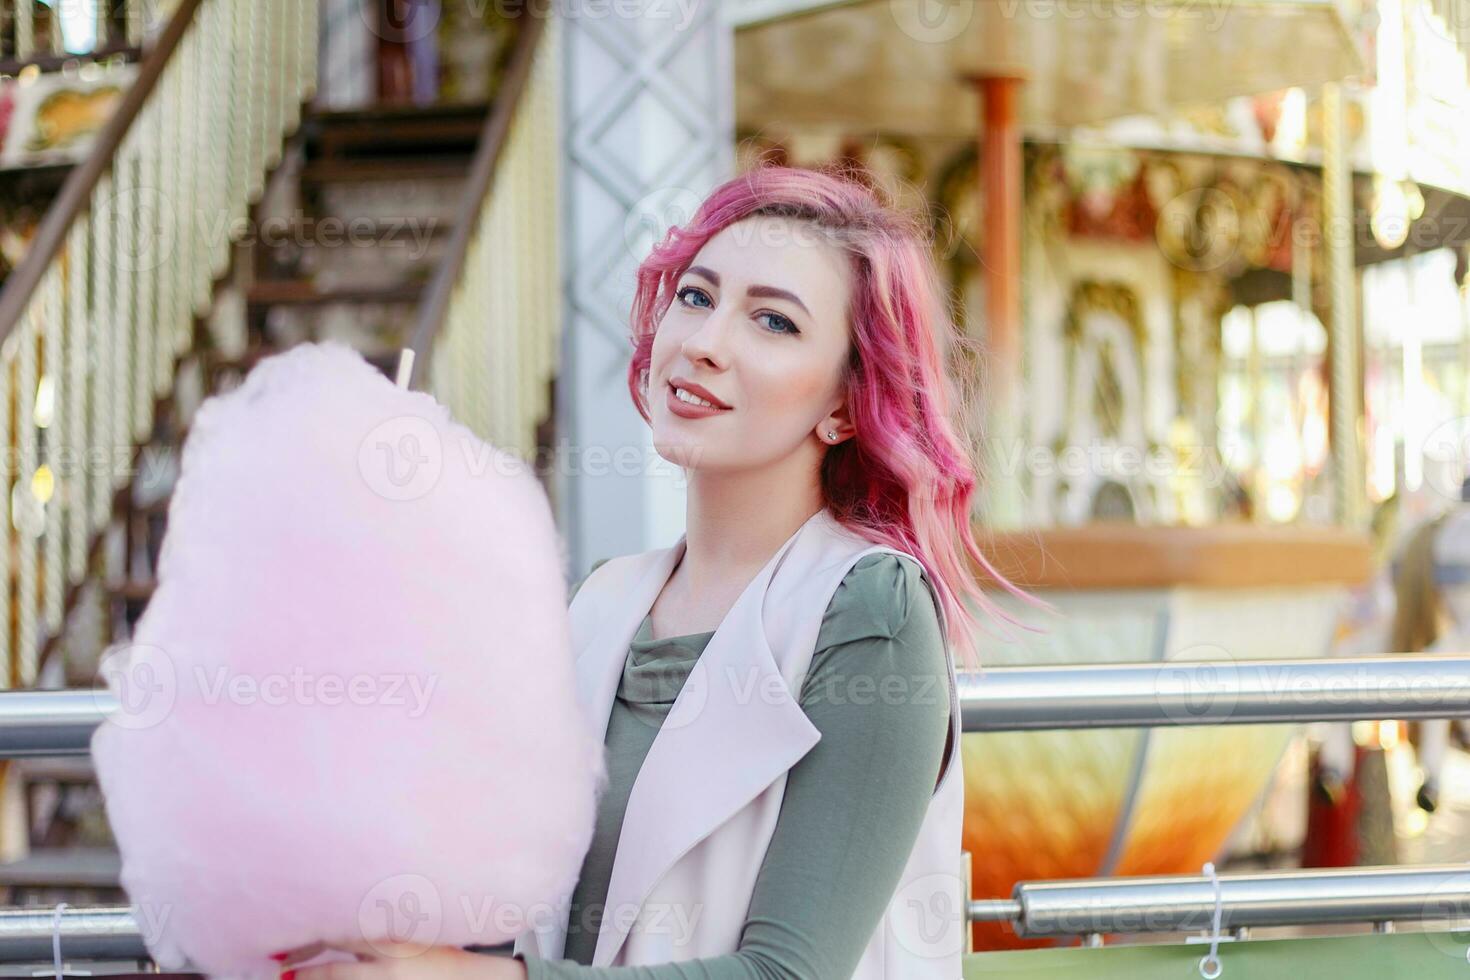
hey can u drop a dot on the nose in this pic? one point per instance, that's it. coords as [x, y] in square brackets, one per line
[710, 343]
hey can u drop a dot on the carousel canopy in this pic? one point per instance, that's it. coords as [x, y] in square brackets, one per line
[900, 65]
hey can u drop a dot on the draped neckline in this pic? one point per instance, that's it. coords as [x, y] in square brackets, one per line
[655, 669]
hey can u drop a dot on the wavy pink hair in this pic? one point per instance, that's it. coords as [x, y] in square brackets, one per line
[905, 478]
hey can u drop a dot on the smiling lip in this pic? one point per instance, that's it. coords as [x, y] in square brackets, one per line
[688, 411]
[697, 391]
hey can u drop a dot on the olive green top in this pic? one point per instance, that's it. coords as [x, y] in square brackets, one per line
[877, 691]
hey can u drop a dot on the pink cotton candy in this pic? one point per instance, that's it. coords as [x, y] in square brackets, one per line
[349, 712]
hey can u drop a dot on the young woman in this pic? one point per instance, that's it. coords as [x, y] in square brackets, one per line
[782, 724]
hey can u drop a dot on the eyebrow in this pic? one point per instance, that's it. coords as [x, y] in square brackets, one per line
[767, 292]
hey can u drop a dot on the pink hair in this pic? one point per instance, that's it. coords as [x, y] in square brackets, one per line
[905, 478]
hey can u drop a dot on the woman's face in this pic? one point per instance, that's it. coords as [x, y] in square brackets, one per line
[759, 321]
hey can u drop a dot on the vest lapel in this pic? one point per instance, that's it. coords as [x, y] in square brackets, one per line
[600, 644]
[733, 729]
[600, 664]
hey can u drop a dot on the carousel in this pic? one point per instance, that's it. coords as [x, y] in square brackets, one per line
[1167, 222]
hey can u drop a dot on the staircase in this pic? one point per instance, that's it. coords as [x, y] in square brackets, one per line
[427, 229]
[343, 244]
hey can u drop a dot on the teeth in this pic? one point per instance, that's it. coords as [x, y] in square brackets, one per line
[684, 396]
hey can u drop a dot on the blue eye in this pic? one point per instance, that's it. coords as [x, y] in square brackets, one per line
[781, 324]
[778, 318]
[684, 293]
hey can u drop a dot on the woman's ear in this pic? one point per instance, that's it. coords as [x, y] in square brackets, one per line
[836, 427]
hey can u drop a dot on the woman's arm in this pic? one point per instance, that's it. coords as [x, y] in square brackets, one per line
[878, 693]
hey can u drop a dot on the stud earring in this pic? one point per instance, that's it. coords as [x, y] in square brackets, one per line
[831, 434]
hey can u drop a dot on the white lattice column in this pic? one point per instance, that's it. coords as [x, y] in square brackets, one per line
[648, 130]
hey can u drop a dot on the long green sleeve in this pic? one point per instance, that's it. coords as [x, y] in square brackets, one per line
[852, 806]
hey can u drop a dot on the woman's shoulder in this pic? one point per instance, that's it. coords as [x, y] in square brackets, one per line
[881, 624]
[595, 566]
[885, 596]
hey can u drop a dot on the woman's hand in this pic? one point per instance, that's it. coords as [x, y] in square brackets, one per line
[382, 960]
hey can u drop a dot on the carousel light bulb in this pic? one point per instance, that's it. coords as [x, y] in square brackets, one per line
[1415, 198]
[1390, 219]
[43, 483]
[45, 409]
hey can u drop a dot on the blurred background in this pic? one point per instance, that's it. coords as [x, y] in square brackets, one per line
[1218, 253]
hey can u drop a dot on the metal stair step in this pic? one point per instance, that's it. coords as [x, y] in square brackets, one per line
[361, 171]
[304, 292]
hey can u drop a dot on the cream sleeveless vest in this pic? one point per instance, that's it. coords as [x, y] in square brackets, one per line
[705, 802]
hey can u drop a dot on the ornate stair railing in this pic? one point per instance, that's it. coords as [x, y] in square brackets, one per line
[485, 341]
[95, 317]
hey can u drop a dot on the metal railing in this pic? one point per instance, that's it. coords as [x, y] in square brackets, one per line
[94, 318]
[486, 338]
[1014, 699]
[108, 932]
[1186, 903]
[48, 723]
[1153, 904]
[1235, 692]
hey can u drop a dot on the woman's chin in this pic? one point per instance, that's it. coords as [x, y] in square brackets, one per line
[680, 450]
[678, 453]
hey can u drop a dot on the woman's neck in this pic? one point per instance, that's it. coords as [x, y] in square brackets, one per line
[736, 522]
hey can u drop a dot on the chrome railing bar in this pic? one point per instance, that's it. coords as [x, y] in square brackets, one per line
[1185, 903]
[87, 933]
[34, 723]
[1007, 699]
[1072, 907]
[1153, 695]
